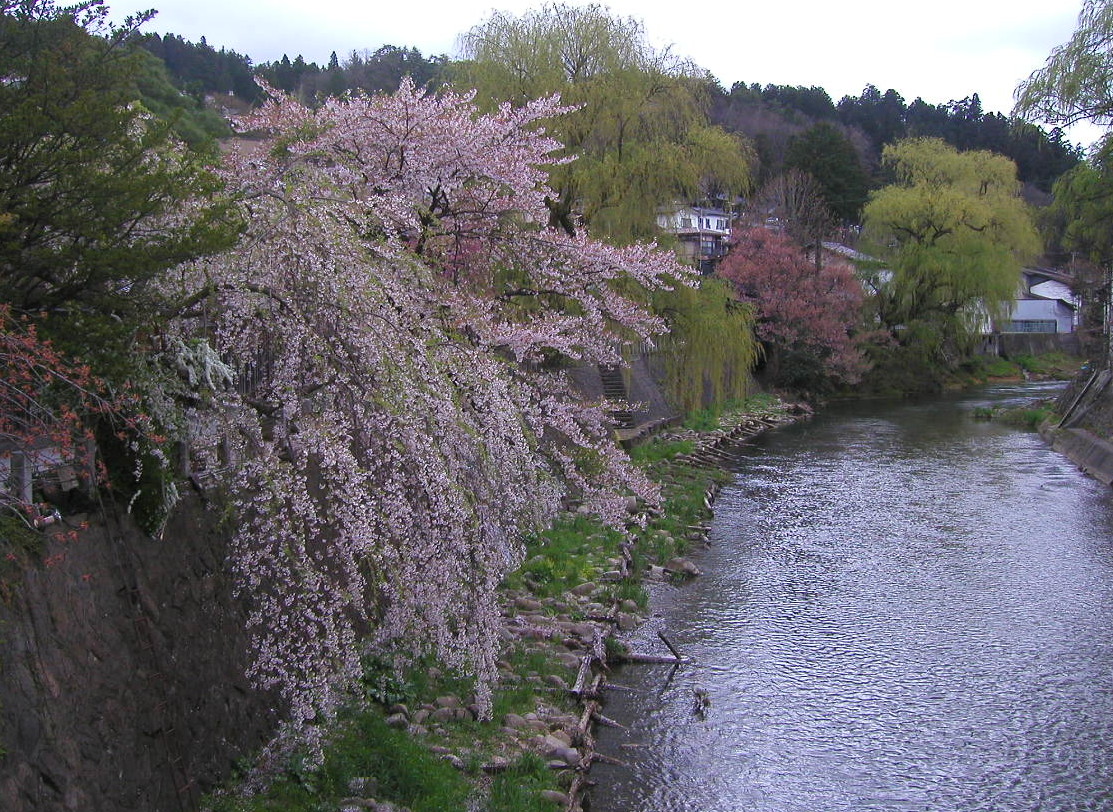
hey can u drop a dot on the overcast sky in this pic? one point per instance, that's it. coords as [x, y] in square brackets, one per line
[939, 51]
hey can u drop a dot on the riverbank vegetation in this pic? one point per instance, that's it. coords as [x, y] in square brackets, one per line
[414, 738]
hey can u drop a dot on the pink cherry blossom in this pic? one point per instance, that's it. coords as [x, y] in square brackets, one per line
[401, 300]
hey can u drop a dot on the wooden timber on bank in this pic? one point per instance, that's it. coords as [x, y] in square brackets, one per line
[591, 683]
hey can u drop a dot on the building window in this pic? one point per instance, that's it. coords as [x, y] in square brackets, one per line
[1031, 326]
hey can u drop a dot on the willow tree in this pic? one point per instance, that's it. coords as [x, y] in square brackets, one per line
[642, 140]
[954, 232]
[641, 134]
[711, 349]
[1076, 82]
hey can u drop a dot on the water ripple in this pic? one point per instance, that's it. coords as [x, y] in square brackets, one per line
[903, 610]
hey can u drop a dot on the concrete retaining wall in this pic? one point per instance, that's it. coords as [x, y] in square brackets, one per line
[1089, 452]
[1012, 345]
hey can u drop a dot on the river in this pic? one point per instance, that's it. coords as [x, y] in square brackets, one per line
[904, 608]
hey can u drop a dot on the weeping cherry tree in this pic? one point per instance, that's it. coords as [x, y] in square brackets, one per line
[399, 295]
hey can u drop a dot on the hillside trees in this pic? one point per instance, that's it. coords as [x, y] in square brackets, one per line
[1075, 85]
[768, 127]
[189, 119]
[382, 70]
[1077, 224]
[879, 115]
[97, 201]
[199, 68]
[954, 234]
[402, 297]
[794, 201]
[828, 156]
[772, 116]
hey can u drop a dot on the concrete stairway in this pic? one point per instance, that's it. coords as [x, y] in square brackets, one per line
[614, 389]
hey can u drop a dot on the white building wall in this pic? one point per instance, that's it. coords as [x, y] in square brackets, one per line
[1044, 310]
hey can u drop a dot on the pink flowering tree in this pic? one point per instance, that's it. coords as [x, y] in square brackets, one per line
[399, 301]
[806, 316]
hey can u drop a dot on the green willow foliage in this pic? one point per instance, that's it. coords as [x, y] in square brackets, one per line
[641, 133]
[1074, 84]
[955, 233]
[711, 347]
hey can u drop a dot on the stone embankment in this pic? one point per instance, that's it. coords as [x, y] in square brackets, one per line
[1084, 427]
[122, 662]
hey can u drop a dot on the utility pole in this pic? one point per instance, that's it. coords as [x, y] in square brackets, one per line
[1107, 325]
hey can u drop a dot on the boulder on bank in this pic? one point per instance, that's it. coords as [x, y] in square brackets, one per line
[682, 566]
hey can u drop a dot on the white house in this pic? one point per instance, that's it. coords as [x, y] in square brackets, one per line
[1046, 304]
[1038, 314]
[704, 232]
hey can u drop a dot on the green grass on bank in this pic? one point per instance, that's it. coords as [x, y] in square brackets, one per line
[519, 788]
[1029, 417]
[710, 419]
[1055, 365]
[364, 757]
[571, 552]
[1052, 365]
[987, 367]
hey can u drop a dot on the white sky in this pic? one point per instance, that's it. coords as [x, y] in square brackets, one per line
[939, 50]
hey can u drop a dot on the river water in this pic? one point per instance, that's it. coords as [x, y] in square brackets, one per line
[903, 608]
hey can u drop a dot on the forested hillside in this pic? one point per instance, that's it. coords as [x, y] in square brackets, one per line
[781, 120]
[776, 117]
[201, 69]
